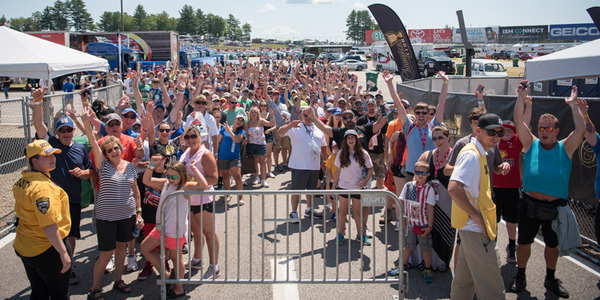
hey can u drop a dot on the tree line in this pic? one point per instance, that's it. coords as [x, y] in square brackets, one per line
[72, 14]
[357, 22]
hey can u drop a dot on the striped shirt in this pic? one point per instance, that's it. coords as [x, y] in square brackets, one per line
[115, 199]
[415, 202]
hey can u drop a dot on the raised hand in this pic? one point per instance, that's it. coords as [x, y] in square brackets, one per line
[443, 75]
[161, 76]
[38, 94]
[523, 91]
[573, 97]
[134, 77]
[583, 106]
[86, 114]
[71, 114]
[295, 124]
[387, 76]
[139, 142]
[124, 102]
[529, 102]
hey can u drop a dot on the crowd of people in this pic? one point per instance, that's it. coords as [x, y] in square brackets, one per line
[187, 129]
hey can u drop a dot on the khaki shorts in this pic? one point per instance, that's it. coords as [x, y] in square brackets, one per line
[280, 141]
[378, 165]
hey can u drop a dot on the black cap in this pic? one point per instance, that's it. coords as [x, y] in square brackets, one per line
[490, 121]
[97, 106]
[158, 149]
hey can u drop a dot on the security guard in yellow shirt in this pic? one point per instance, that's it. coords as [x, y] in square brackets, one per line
[44, 222]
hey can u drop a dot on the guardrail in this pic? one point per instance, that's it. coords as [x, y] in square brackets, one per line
[304, 253]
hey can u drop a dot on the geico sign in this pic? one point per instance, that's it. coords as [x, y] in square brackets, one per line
[574, 32]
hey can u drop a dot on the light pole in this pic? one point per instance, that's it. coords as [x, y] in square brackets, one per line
[122, 27]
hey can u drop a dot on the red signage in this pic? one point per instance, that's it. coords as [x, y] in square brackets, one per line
[438, 35]
[56, 37]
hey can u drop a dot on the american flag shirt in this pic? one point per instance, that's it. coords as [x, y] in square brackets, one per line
[415, 202]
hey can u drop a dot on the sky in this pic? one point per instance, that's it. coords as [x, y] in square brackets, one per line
[326, 19]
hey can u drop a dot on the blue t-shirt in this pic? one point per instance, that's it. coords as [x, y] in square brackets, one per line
[414, 142]
[70, 158]
[156, 95]
[596, 150]
[229, 150]
[67, 88]
[129, 132]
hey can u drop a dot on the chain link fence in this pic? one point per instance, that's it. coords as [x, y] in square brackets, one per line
[17, 130]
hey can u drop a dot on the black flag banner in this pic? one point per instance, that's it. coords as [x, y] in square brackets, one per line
[398, 40]
[595, 14]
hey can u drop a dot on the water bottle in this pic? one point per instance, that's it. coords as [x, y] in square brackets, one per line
[136, 231]
[365, 171]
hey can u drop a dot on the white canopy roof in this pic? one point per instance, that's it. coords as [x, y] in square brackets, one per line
[582, 61]
[23, 55]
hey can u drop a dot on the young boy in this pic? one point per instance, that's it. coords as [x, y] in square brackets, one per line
[155, 93]
[419, 199]
[330, 171]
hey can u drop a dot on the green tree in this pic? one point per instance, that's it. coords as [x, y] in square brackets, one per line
[109, 21]
[80, 17]
[140, 17]
[233, 26]
[202, 20]
[46, 19]
[3, 20]
[353, 29]
[247, 29]
[60, 16]
[164, 22]
[129, 23]
[357, 23]
[216, 25]
[36, 17]
[15, 22]
[187, 20]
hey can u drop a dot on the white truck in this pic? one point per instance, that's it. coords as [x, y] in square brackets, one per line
[383, 59]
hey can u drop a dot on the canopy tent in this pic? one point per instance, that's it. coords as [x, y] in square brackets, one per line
[23, 55]
[582, 61]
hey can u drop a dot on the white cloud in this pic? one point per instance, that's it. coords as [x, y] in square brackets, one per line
[280, 31]
[358, 5]
[267, 7]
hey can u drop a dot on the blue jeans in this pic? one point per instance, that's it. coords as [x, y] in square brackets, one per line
[5, 89]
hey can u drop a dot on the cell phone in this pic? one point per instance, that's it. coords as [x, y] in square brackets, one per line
[524, 85]
[480, 88]
[418, 230]
[382, 109]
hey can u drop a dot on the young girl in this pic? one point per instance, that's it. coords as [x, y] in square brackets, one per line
[357, 171]
[176, 179]
[257, 145]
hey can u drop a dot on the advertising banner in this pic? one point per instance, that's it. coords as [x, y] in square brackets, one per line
[523, 34]
[372, 36]
[477, 35]
[569, 32]
[436, 35]
[61, 38]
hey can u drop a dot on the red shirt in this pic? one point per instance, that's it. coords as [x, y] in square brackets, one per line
[511, 152]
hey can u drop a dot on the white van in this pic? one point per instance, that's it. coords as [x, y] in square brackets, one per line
[382, 57]
[487, 67]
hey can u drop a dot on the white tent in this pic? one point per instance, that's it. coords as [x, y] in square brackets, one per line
[23, 55]
[582, 61]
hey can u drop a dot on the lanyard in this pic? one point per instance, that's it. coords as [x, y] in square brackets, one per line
[423, 136]
[419, 189]
[438, 165]
[309, 132]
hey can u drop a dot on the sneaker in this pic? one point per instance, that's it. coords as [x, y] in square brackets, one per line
[367, 232]
[279, 168]
[340, 239]
[146, 272]
[294, 217]
[196, 265]
[131, 263]
[184, 249]
[396, 271]
[555, 286]
[388, 213]
[519, 284]
[316, 215]
[397, 226]
[364, 239]
[428, 275]
[111, 264]
[329, 206]
[270, 175]
[256, 181]
[74, 279]
[333, 217]
[244, 182]
[510, 254]
[285, 166]
[264, 183]
[211, 274]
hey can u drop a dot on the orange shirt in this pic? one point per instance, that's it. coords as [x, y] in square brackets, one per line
[394, 126]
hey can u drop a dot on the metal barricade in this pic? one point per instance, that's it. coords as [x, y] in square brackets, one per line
[335, 265]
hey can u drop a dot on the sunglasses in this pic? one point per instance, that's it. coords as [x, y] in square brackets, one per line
[432, 114]
[439, 138]
[245, 92]
[201, 103]
[263, 105]
[492, 132]
[111, 124]
[547, 129]
[193, 136]
[129, 116]
[115, 148]
[67, 130]
[421, 113]
[406, 107]
[174, 177]
[420, 172]
[164, 130]
[350, 117]
[305, 115]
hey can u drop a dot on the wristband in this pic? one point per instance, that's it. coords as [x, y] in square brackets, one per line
[430, 227]
[180, 93]
[139, 213]
[479, 100]
[445, 82]
[118, 108]
[572, 103]
[38, 102]
[151, 166]
[138, 209]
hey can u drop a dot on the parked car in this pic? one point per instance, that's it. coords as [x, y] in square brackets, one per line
[505, 54]
[309, 57]
[453, 53]
[353, 64]
[487, 67]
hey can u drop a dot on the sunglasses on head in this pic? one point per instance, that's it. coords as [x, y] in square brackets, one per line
[174, 177]
[164, 130]
[129, 116]
[115, 148]
[350, 117]
[115, 123]
[439, 138]
[492, 132]
[421, 113]
[420, 172]
[193, 136]
[66, 130]
[547, 129]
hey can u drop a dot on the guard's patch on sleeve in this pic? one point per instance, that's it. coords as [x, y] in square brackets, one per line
[43, 204]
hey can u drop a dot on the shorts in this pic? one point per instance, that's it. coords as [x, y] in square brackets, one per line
[528, 227]
[170, 243]
[228, 164]
[507, 204]
[196, 209]
[110, 232]
[378, 164]
[410, 241]
[269, 137]
[75, 212]
[257, 150]
[345, 196]
[397, 170]
[282, 141]
[304, 179]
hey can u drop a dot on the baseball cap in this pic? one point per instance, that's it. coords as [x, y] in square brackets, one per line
[333, 144]
[64, 121]
[160, 105]
[219, 88]
[489, 121]
[243, 116]
[379, 96]
[40, 147]
[130, 110]
[328, 106]
[137, 122]
[226, 94]
[350, 131]
[215, 98]
[509, 124]
[275, 92]
[205, 91]
[359, 101]
[405, 102]
[97, 106]
[342, 99]
[371, 101]
[336, 111]
[347, 111]
[112, 117]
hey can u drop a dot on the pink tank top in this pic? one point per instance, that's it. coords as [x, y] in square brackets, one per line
[186, 159]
